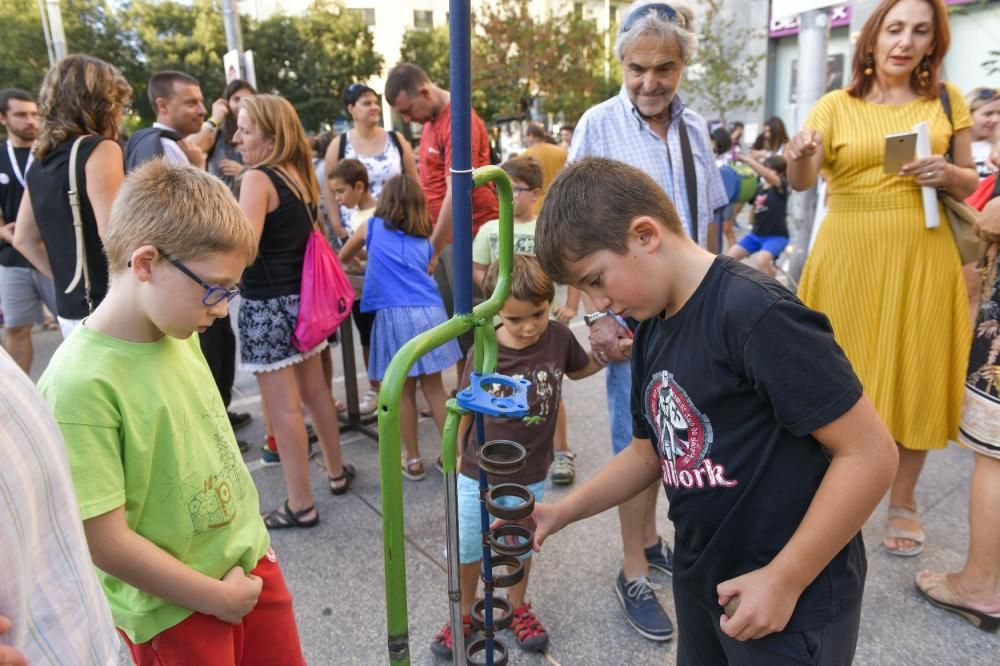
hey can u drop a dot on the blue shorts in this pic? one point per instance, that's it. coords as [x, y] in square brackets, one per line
[618, 384]
[774, 245]
[470, 535]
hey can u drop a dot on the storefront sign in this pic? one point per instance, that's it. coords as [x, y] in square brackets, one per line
[840, 15]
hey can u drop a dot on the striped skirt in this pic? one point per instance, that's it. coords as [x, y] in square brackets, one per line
[894, 293]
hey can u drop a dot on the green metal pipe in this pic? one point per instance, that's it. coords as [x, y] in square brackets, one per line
[391, 392]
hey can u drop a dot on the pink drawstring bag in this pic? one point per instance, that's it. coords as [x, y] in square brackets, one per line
[326, 298]
[326, 295]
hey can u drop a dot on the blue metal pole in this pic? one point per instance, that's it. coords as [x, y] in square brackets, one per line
[461, 153]
[487, 552]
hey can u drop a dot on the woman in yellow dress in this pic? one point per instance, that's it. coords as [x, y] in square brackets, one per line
[891, 286]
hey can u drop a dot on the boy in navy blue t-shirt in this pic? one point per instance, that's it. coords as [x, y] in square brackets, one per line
[745, 408]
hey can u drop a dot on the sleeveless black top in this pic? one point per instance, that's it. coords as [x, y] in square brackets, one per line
[48, 187]
[278, 268]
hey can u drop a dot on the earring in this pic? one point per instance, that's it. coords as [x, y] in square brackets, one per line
[869, 65]
[925, 69]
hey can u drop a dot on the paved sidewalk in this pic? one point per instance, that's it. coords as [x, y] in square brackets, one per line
[335, 570]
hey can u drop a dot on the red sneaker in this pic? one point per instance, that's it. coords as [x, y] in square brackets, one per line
[528, 630]
[441, 645]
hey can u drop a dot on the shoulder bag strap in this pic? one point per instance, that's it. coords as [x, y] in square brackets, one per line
[342, 147]
[946, 103]
[395, 141]
[82, 269]
[690, 179]
[297, 191]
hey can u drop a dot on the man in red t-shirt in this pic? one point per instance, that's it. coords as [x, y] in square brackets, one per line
[417, 99]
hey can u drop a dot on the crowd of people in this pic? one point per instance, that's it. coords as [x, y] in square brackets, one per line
[770, 468]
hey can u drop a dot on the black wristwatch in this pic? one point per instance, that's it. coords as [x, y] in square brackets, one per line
[594, 317]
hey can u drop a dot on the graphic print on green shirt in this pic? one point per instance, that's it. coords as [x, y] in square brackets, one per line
[145, 428]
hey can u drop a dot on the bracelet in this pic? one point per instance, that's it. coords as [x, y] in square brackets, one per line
[211, 123]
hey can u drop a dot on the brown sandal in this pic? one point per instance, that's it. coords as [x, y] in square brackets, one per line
[933, 586]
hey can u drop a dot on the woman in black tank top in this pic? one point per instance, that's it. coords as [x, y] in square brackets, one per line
[279, 195]
[81, 96]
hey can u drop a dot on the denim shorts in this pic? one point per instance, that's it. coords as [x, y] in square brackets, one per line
[470, 542]
[618, 384]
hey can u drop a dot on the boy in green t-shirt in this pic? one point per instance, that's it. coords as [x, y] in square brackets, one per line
[169, 509]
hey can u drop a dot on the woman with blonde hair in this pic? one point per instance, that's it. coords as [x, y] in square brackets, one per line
[80, 107]
[891, 286]
[279, 194]
[984, 105]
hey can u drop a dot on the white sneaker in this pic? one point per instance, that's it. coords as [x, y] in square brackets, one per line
[369, 402]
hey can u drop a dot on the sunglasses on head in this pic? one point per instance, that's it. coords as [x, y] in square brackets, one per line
[661, 10]
[987, 94]
[354, 91]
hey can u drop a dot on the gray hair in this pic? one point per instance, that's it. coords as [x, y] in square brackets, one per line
[653, 24]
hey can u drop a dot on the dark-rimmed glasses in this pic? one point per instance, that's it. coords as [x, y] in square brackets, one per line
[214, 294]
[660, 9]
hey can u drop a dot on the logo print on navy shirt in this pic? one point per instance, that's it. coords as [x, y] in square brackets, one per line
[683, 436]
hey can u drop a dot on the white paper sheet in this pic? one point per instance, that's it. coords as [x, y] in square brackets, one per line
[931, 218]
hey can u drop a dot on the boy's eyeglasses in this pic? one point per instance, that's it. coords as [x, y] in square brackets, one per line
[213, 293]
[521, 190]
[662, 10]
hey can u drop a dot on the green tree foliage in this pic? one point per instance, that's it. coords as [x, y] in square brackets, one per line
[23, 58]
[90, 27]
[311, 58]
[518, 58]
[721, 69]
[429, 49]
[174, 35]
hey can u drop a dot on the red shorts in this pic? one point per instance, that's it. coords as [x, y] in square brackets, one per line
[267, 635]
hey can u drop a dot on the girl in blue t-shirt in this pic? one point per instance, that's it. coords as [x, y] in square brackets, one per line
[405, 301]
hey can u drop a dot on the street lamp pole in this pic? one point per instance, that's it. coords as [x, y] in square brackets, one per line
[231, 19]
[814, 35]
[56, 32]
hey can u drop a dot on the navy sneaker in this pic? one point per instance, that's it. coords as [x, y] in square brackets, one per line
[268, 457]
[660, 557]
[642, 610]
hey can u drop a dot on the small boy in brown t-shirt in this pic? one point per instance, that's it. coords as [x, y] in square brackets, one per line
[540, 350]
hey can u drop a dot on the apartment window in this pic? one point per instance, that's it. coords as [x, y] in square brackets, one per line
[578, 10]
[613, 15]
[367, 15]
[423, 18]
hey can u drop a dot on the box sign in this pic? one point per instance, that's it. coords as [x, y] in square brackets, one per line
[784, 23]
[840, 15]
[787, 8]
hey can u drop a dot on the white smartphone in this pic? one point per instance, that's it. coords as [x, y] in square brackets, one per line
[900, 149]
